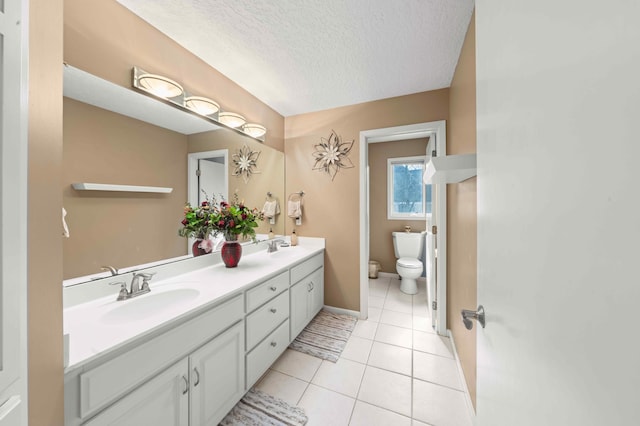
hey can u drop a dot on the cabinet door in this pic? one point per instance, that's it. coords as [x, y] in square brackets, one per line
[163, 401]
[299, 310]
[316, 294]
[217, 377]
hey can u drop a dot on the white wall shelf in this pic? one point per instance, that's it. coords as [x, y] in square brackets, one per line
[84, 186]
[450, 169]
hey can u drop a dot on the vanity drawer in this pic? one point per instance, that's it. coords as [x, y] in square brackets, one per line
[265, 354]
[305, 268]
[106, 382]
[265, 291]
[264, 320]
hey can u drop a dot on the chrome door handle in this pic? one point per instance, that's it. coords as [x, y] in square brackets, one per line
[273, 310]
[274, 344]
[272, 288]
[468, 315]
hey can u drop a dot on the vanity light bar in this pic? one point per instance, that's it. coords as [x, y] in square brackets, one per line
[169, 90]
[201, 105]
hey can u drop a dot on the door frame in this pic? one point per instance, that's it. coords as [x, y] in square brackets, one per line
[192, 166]
[436, 131]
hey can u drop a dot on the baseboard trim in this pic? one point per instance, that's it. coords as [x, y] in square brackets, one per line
[342, 311]
[467, 395]
[387, 275]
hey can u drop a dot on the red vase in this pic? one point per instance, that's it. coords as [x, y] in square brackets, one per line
[197, 251]
[231, 252]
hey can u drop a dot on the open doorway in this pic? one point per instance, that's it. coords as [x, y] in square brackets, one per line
[208, 174]
[436, 132]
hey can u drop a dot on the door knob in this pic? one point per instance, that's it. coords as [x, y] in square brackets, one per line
[468, 315]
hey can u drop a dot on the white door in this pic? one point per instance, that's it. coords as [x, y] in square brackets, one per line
[13, 218]
[558, 107]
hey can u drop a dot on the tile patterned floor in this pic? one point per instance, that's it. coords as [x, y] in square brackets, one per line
[394, 370]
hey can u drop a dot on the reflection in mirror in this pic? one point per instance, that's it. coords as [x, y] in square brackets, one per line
[104, 144]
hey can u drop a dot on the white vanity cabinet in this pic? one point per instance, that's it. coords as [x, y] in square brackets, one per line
[307, 292]
[202, 387]
[192, 370]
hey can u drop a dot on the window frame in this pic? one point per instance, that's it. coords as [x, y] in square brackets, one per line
[391, 215]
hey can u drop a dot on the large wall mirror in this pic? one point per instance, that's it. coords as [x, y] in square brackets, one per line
[115, 135]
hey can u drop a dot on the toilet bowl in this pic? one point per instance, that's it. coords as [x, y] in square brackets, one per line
[408, 249]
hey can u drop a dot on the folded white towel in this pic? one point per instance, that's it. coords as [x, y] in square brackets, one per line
[271, 208]
[294, 209]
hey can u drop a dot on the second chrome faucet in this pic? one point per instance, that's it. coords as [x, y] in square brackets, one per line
[135, 289]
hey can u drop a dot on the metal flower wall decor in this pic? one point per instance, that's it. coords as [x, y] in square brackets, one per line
[331, 154]
[245, 162]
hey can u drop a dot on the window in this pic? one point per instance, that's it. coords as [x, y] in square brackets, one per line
[408, 196]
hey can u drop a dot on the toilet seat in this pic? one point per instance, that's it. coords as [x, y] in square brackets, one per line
[408, 262]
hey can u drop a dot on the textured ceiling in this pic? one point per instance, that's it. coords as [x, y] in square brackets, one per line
[300, 56]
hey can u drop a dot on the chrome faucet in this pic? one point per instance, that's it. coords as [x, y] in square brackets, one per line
[135, 289]
[272, 245]
[114, 271]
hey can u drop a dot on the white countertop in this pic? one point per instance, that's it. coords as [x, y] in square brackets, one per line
[101, 326]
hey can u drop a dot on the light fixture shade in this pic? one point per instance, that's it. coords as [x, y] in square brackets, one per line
[201, 105]
[160, 86]
[254, 129]
[231, 119]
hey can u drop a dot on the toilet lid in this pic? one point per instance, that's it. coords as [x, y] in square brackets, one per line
[408, 262]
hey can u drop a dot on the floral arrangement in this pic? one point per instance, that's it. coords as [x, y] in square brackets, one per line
[212, 218]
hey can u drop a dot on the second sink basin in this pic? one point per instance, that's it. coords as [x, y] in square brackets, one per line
[148, 305]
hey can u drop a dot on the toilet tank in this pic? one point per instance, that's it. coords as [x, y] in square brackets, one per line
[408, 244]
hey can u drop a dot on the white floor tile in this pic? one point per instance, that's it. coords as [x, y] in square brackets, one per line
[390, 357]
[394, 335]
[324, 407]
[432, 343]
[366, 329]
[422, 324]
[282, 386]
[297, 364]
[398, 302]
[379, 287]
[439, 405]
[374, 314]
[343, 376]
[369, 415]
[376, 302]
[357, 349]
[399, 319]
[436, 369]
[387, 390]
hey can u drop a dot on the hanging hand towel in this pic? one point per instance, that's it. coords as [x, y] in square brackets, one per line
[270, 209]
[65, 228]
[294, 209]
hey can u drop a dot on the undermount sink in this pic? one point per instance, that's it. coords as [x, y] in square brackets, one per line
[148, 305]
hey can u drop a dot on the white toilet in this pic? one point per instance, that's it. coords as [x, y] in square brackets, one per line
[408, 249]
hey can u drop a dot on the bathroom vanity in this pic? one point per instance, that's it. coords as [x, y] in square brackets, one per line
[185, 353]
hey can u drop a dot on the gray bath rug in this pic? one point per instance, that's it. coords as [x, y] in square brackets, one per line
[326, 335]
[257, 408]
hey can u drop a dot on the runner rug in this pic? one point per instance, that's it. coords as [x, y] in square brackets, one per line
[257, 408]
[326, 335]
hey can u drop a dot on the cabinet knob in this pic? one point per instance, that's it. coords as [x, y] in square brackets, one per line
[273, 288]
[274, 344]
[273, 310]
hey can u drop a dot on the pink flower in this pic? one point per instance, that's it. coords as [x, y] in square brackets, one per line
[184, 222]
[206, 245]
[221, 223]
[232, 224]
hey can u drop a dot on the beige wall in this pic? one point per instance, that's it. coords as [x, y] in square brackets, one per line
[270, 166]
[46, 383]
[105, 39]
[462, 210]
[380, 229]
[120, 228]
[331, 208]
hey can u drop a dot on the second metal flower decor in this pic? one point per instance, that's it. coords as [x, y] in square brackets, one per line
[331, 154]
[245, 162]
